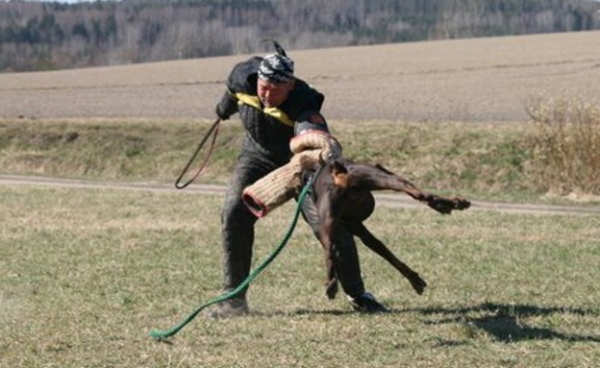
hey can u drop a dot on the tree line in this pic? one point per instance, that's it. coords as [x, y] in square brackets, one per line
[44, 36]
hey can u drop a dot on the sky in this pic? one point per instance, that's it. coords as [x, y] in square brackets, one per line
[59, 1]
[63, 1]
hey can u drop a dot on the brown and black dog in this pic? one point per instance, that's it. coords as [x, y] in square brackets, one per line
[342, 193]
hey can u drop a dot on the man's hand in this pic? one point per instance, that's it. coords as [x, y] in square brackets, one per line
[227, 106]
[221, 113]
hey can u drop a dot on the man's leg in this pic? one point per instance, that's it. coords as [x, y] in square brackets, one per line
[238, 234]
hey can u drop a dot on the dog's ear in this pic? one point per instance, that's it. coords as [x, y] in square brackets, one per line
[339, 172]
[338, 167]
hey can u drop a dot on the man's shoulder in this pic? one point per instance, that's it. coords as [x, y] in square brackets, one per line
[243, 76]
[303, 86]
[306, 94]
[249, 65]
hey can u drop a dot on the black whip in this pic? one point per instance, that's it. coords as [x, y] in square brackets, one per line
[214, 130]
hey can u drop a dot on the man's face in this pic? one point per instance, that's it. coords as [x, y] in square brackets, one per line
[273, 94]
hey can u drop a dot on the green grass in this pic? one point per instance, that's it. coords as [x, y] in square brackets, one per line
[86, 274]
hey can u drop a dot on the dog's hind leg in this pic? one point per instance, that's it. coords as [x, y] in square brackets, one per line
[360, 230]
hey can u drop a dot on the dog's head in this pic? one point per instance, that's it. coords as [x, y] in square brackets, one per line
[339, 173]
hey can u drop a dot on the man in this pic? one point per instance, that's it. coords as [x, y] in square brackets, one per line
[271, 101]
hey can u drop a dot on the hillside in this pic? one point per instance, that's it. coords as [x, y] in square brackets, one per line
[484, 79]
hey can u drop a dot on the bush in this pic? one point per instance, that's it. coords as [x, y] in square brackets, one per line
[566, 145]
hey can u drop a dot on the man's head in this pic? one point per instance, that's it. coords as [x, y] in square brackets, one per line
[275, 79]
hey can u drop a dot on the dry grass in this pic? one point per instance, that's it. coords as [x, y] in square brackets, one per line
[488, 161]
[464, 80]
[566, 145]
[86, 274]
[483, 160]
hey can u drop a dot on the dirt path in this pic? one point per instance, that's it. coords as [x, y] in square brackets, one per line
[383, 199]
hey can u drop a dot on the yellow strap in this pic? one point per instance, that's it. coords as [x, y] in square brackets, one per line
[271, 111]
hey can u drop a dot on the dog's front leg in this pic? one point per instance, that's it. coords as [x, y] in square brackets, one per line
[327, 209]
[382, 178]
[331, 283]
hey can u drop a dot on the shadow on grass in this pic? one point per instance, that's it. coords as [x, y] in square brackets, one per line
[302, 312]
[504, 322]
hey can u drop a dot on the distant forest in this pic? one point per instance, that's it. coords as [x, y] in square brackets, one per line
[52, 35]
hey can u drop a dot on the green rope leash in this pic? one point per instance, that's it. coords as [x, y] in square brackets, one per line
[161, 335]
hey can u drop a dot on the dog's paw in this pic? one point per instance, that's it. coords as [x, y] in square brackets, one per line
[447, 205]
[418, 284]
[461, 203]
[331, 289]
[440, 204]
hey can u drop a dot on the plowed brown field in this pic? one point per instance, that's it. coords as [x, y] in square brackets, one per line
[486, 79]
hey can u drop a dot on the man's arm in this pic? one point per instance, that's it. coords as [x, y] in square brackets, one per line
[312, 134]
[241, 79]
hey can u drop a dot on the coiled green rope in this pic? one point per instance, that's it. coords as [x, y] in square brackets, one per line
[161, 335]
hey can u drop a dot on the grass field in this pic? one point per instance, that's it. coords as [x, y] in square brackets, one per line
[87, 274]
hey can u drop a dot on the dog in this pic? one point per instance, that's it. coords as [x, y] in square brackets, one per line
[342, 192]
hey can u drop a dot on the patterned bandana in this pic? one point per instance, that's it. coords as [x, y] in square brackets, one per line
[276, 68]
